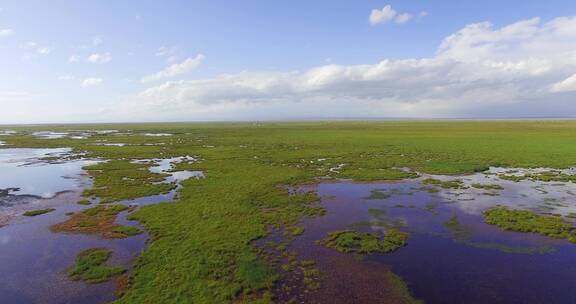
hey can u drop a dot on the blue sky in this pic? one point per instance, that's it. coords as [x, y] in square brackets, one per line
[74, 61]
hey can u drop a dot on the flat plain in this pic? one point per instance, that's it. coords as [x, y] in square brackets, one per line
[231, 236]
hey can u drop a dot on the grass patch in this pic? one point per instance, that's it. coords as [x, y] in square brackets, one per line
[90, 266]
[38, 212]
[255, 275]
[122, 180]
[84, 202]
[97, 220]
[365, 174]
[127, 230]
[528, 221]
[451, 184]
[349, 241]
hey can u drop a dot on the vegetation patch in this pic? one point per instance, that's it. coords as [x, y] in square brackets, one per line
[367, 174]
[514, 178]
[349, 241]
[401, 289]
[528, 221]
[38, 212]
[452, 168]
[97, 220]
[90, 266]
[487, 186]
[118, 180]
[552, 176]
[295, 231]
[451, 184]
[84, 202]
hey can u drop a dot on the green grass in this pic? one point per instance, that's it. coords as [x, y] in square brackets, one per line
[451, 184]
[199, 242]
[349, 241]
[84, 202]
[38, 212]
[127, 230]
[375, 174]
[97, 220]
[90, 266]
[528, 221]
[121, 180]
[256, 275]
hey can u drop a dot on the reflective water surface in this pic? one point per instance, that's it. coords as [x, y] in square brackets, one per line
[35, 260]
[452, 256]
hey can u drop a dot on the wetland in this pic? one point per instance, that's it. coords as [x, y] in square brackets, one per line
[309, 212]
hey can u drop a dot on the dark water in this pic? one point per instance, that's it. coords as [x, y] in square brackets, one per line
[33, 260]
[452, 256]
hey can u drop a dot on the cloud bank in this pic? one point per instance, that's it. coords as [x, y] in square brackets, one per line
[176, 69]
[478, 71]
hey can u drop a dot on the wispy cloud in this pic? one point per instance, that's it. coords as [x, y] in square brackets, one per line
[6, 32]
[44, 50]
[91, 82]
[74, 59]
[171, 53]
[176, 69]
[97, 40]
[66, 77]
[100, 58]
[388, 14]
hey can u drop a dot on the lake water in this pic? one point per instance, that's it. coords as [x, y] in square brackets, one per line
[452, 256]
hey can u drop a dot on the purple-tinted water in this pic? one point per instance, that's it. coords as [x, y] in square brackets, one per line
[33, 260]
[452, 256]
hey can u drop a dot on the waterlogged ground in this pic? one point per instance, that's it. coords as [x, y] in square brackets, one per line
[228, 184]
[452, 256]
[34, 260]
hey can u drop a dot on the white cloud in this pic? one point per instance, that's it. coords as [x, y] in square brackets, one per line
[90, 82]
[479, 70]
[97, 40]
[100, 58]
[166, 51]
[403, 18]
[6, 32]
[74, 59]
[176, 69]
[384, 15]
[172, 54]
[44, 50]
[388, 14]
[66, 77]
[566, 85]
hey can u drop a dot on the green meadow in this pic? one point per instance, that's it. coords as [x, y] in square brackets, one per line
[202, 245]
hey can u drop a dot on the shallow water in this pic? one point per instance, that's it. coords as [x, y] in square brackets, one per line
[24, 169]
[166, 166]
[50, 134]
[35, 260]
[452, 256]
